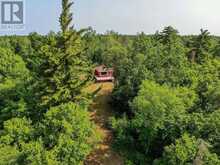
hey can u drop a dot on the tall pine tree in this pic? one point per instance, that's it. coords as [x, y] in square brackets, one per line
[65, 69]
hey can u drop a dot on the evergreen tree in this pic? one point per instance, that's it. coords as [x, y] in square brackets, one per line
[203, 40]
[169, 36]
[65, 69]
[202, 46]
[66, 16]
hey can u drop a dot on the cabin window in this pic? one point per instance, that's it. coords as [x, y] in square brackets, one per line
[103, 73]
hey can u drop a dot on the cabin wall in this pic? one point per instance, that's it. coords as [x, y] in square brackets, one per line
[99, 74]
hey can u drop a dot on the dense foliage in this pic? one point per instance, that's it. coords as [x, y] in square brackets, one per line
[43, 114]
[166, 96]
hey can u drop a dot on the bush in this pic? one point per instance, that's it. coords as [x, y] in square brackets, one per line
[187, 150]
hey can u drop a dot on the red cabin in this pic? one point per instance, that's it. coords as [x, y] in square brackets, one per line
[102, 74]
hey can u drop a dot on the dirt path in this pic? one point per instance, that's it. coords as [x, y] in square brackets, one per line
[100, 114]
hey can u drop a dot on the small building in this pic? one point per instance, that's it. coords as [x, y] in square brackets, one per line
[102, 73]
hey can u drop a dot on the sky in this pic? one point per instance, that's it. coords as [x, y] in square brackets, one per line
[125, 16]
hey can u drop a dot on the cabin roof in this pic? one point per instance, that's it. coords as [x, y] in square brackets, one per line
[103, 68]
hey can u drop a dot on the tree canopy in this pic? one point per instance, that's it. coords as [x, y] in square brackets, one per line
[166, 97]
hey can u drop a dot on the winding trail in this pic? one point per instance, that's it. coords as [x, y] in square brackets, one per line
[100, 112]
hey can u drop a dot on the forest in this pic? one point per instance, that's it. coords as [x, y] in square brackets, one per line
[166, 96]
